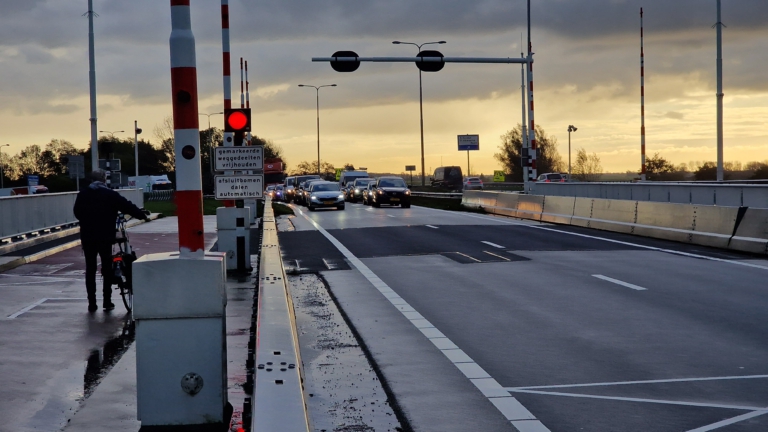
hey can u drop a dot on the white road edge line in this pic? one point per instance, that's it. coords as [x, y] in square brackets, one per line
[493, 244]
[730, 421]
[630, 399]
[660, 381]
[622, 283]
[430, 226]
[509, 407]
[670, 251]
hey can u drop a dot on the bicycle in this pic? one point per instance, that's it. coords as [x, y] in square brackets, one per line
[122, 262]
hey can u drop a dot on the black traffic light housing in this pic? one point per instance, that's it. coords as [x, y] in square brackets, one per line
[237, 120]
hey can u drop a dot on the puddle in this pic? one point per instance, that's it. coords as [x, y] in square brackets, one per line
[100, 361]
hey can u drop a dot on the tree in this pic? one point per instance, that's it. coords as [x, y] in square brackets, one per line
[761, 173]
[657, 168]
[305, 168]
[548, 159]
[349, 167]
[164, 133]
[271, 150]
[587, 166]
[708, 171]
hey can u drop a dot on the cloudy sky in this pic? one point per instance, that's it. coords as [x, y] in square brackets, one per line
[587, 74]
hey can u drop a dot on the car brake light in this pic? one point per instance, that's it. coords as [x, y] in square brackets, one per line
[546, 181]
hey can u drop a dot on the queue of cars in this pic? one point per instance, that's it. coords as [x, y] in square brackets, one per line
[313, 192]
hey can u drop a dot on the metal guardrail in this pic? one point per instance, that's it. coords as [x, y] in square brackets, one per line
[23, 215]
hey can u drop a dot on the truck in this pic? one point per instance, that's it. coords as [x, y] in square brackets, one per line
[273, 171]
[150, 182]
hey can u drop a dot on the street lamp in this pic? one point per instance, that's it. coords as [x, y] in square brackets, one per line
[421, 102]
[1, 165]
[317, 91]
[209, 117]
[571, 128]
[136, 132]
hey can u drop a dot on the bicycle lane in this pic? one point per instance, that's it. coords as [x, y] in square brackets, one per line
[53, 353]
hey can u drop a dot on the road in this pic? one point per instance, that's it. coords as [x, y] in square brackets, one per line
[479, 322]
[54, 353]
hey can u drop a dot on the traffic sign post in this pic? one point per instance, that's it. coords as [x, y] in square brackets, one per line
[239, 158]
[411, 169]
[239, 187]
[469, 143]
[499, 176]
[338, 173]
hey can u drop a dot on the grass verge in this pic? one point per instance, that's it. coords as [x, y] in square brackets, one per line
[281, 209]
[168, 208]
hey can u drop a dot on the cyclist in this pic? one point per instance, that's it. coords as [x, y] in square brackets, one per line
[96, 208]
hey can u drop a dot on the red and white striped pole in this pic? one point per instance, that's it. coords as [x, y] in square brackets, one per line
[229, 137]
[531, 124]
[247, 101]
[242, 89]
[642, 101]
[186, 132]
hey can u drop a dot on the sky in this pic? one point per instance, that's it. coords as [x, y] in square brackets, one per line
[587, 73]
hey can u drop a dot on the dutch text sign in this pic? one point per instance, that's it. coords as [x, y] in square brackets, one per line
[239, 158]
[469, 142]
[239, 187]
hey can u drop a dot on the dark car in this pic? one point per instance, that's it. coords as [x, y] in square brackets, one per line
[448, 177]
[279, 193]
[304, 190]
[295, 193]
[368, 192]
[356, 190]
[289, 188]
[325, 194]
[392, 191]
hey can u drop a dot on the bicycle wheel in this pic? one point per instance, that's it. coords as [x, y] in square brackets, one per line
[127, 294]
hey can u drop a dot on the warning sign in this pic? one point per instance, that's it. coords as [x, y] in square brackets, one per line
[498, 176]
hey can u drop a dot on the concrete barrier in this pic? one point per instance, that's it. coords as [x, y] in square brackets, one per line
[506, 204]
[613, 215]
[752, 232]
[558, 209]
[713, 225]
[479, 199]
[530, 206]
[664, 220]
[582, 212]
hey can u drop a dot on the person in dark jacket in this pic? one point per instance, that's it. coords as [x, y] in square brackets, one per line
[96, 207]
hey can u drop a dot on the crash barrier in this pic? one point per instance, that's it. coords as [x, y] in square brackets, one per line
[444, 195]
[23, 215]
[159, 195]
[278, 399]
[723, 194]
[737, 228]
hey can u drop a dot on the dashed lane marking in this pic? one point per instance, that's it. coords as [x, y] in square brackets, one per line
[430, 226]
[497, 256]
[518, 416]
[494, 245]
[618, 282]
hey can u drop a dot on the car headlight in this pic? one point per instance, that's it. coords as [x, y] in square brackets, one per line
[340, 197]
[357, 190]
[379, 192]
[313, 197]
[407, 192]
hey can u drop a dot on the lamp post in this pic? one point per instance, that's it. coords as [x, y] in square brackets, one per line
[209, 117]
[421, 102]
[1, 165]
[571, 128]
[317, 92]
[111, 133]
[136, 132]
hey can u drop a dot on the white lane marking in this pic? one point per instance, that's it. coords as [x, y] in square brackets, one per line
[38, 303]
[507, 405]
[629, 399]
[430, 226]
[498, 256]
[475, 259]
[494, 245]
[618, 282]
[670, 251]
[660, 381]
[390, 216]
[730, 421]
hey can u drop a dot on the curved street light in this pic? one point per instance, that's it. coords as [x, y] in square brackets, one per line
[112, 133]
[571, 128]
[209, 117]
[317, 91]
[421, 101]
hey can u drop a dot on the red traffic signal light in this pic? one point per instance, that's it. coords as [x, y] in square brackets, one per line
[237, 120]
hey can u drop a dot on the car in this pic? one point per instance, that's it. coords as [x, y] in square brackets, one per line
[289, 188]
[279, 193]
[304, 190]
[348, 177]
[270, 192]
[368, 192]
[551, 178]
[325, 194]
[293, 194]
[355, 191]
[448, 177]
[392, 191]
[473, 183]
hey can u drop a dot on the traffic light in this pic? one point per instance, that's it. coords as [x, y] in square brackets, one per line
[237, 120]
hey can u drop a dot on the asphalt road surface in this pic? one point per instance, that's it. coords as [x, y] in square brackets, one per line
[53, 353]
[488, 323]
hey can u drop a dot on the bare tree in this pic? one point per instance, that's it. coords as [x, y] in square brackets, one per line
[587, 166]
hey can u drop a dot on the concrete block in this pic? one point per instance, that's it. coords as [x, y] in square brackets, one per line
[227, 218]
[530, 206]
[558, 209]
[506, 204]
